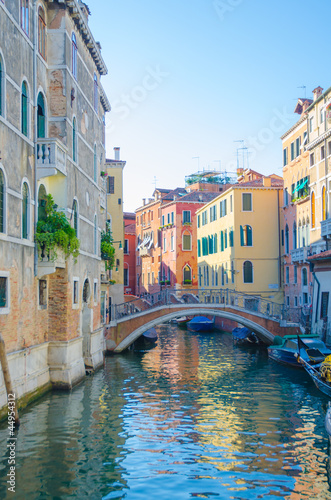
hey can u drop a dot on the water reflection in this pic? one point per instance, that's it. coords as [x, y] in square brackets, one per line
[193, 417]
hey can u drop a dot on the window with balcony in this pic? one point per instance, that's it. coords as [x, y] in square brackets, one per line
[25, 211]
[2, 202]
[74, 55]
[24, 109]
[248, 272]
[41, 33]
[25, 25]
[247, 202]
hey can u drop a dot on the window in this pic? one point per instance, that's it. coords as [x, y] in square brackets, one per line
[295, 269]
[232, 272]
[95, 164]
[297, 146]
[248, 272]
[204, 217]
[322, 152]
[312, 209]
[311, 159]
[25, 211]
[187, 242]
[24, 109]
[213, 213]
[75, 291]
[294, 236]
[222, 275]
[311, 124]
[329, 148]
[231, 206]
[322, 116]
[198, 220]
[324, 305]
[172, 217]
[246, 238]
[164, 243]
[41, 116]
[74, 140]
[163, 221]
[247, 202]
[4, 293]
[111, 187]
[187, 274]
[25, 15]
[231, 237]
[323, 203]
[304, 277]
[76, 217]
[186, 216]
[42, 200]
[295, 301]
[43, 294]
[95, 238]
[95, 291]
[41, 33]
[172, 248]
[287, 274]
[285, 157]
[126, 246]
[74, 55]
[292, 151]
[223, 210]
[288, 301]
[287, 244]
[199, 248]
[126, 276]
[95, 93]
[2, 202]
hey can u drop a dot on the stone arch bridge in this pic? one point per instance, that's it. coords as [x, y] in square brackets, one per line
[131, 319]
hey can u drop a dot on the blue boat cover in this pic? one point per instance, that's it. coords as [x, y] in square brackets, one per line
[201, 319]
[241, 333]
[150, 334]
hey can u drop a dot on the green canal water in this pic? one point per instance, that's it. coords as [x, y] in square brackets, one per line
[195, 417]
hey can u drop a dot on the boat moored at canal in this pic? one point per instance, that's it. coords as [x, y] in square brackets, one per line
[285, 350]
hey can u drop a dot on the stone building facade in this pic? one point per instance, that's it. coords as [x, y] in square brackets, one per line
[52, 141]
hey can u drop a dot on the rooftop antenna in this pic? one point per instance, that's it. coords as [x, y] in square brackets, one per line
[197, 158]
[219, 162]
[155, 181]
[303, 87]
[238, 149]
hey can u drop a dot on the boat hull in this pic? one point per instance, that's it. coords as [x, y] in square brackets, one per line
[284, 357]
[200, 324]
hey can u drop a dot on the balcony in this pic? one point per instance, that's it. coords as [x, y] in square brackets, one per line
[47, 264]
[326, 228]
[299, 255]
[51, 158]
[144, 251]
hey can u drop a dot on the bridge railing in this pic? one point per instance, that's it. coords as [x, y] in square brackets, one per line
[248, 303]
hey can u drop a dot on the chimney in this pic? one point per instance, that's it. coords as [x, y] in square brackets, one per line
[267, 181]
[317, 93]
[117, 154]
[144, 201]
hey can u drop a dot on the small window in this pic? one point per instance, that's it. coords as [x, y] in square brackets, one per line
[24, 109]
[285, 157]
[43, 294]
[287, 274]
[186, 216]
[3, 294]
[41, 33]
[311, 124]
[324, 305]
[187, 242]
[25, 15]
[246, 236]
[311, 159]
[322, 153]
[187, 275]
[292, 151]
[95, 291]
[75, 291]
[247, 202]
[111, 186]
[126, 246]
[126, 276]
[74, 55]
[304, 277]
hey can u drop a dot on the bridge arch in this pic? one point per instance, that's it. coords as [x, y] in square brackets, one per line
[260, 331]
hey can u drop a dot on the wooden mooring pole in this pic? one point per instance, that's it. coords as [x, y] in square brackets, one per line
[12, 406]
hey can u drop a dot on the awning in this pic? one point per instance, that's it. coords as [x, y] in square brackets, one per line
[300, 186]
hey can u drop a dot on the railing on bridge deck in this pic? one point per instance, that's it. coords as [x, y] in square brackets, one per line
[228, 297]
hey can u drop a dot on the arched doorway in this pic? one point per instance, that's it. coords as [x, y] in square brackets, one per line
[86, 323]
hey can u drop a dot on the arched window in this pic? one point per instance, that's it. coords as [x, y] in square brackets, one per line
[294, 235]
[24, 109]
[287, 246]
[187, 274]
[41, 117]
[95, 164]
[75, 216]
[246, 236]
[74, 55]
[323, 204]
[304, 276]
[95, 239]
[25, 211]
[41, 32]
[95, 93]
[74, 140]
[2, 202]
[248, 272]
[25, 15]
[42, 200]
[2, 86]
[313, 209]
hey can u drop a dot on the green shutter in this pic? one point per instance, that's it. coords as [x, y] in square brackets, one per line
[199, 248]
[241, 236]
[25, 211]
[215, 244]
[231, 238]
[249, 236]
[41, 116]
[222, 241]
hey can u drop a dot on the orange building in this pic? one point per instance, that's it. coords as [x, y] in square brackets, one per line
[129, 277]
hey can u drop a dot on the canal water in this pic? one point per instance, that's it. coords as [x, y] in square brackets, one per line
[194, 417]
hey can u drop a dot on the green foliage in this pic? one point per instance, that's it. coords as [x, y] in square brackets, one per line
[107, 249]
[54, 232]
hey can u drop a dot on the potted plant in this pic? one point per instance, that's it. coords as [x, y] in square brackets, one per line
[161, 282]
[187, 282]
[54, 232]
[103, 173]
[107, 249]
[167, 282]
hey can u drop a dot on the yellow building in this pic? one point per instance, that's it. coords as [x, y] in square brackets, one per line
[114, 190]
[239, 240]
[319, 149]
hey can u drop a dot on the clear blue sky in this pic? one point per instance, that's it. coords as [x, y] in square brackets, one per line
[187, 78]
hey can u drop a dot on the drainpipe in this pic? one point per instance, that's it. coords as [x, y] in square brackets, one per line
[35, 131]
